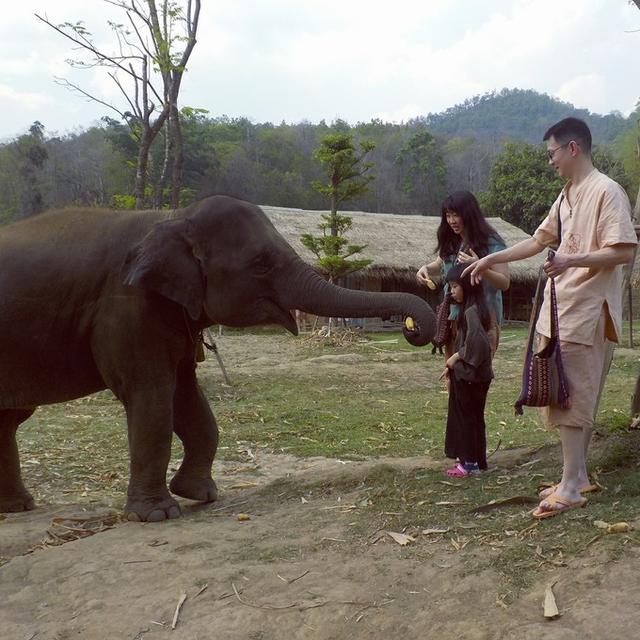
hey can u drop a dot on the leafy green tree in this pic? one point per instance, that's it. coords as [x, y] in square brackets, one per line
[468, 163]
[606, 160]
[33, 154]
[522, 186]
[346, 172]
[628, 148]
[345, 169]
[424, 172]
[333, 250]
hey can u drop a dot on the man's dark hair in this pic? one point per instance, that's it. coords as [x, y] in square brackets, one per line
[571, 129]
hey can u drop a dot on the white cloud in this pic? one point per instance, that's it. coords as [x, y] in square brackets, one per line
[588, 89]
[23, 99]
[293, 60]
[401, 114]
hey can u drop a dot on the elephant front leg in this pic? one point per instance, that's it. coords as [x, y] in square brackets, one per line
[13, 494]
[150, 426]
[196, 427]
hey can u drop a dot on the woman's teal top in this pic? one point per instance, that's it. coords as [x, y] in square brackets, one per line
[493, 295]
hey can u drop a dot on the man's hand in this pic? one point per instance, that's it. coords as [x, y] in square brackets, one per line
[477, 269]
[558, 265]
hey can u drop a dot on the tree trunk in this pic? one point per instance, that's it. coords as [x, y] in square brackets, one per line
[158, 197]
[178, 158]
[141, 169]
[149, 133]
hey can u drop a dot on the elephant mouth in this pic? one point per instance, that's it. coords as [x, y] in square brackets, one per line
[279, 315]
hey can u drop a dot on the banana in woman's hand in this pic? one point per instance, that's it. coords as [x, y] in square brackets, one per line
[431, 284]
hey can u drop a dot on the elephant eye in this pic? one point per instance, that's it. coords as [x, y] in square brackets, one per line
[262, 265]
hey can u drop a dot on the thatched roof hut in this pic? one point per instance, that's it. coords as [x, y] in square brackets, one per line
[399, 245]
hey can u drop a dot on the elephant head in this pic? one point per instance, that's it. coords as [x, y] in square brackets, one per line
[225, 263]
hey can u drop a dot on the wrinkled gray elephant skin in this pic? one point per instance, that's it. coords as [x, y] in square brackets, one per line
[95, 299]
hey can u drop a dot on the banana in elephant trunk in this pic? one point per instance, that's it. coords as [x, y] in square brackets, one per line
[310, 293]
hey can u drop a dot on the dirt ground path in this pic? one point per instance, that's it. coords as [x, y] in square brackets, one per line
[293, 570]
[278, 559]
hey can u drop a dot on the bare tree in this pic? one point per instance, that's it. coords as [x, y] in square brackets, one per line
[172, 67]
[148, 72]
[169, 26]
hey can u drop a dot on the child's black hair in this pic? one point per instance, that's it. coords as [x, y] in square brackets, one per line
[473, 295]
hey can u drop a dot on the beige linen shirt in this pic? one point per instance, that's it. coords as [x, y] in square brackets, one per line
[595, 214]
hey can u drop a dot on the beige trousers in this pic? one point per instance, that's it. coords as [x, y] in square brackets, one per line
[583, 366]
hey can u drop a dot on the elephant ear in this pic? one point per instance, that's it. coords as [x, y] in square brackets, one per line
[164, 262]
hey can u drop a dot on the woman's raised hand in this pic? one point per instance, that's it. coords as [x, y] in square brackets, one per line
[467, 257]
[422, 276]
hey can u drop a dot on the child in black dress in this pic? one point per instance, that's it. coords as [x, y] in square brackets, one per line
[469, 374]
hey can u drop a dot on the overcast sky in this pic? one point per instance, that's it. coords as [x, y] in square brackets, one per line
[274, 60]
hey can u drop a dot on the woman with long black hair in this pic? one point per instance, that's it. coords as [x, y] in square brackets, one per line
[465, 236]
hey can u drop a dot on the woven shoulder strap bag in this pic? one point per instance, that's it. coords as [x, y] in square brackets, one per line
[544, 382]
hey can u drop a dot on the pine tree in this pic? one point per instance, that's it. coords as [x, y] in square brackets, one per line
[346, 171]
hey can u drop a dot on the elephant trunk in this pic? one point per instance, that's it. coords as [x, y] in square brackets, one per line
[309, 292]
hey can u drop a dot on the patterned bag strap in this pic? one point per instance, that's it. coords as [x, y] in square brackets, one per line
[535, 310]
[554, 312]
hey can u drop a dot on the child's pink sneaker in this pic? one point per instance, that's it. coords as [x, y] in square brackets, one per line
[461, 470]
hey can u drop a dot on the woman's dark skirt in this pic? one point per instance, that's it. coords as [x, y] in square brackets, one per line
[466, 429]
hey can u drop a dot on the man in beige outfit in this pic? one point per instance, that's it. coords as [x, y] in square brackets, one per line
[592, 219]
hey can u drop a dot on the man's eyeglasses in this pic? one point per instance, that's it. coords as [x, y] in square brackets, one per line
[552, 152]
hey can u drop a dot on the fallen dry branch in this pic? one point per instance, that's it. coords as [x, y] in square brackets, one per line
[69, 529]
[299, 606]
[174, 622]
[273, 607]
[550, 607]
[292, 580]
[339, 337]
[228, 506]
[505, 502]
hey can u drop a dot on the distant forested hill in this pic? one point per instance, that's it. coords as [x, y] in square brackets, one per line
[416, 163]
[522, 114]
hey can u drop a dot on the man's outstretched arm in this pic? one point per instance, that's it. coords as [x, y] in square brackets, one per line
[521, 251]
[600, 259]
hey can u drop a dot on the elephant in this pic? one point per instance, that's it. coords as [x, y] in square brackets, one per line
[94, 299]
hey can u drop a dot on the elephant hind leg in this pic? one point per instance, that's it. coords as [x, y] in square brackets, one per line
[194, 424]
[13, 494]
